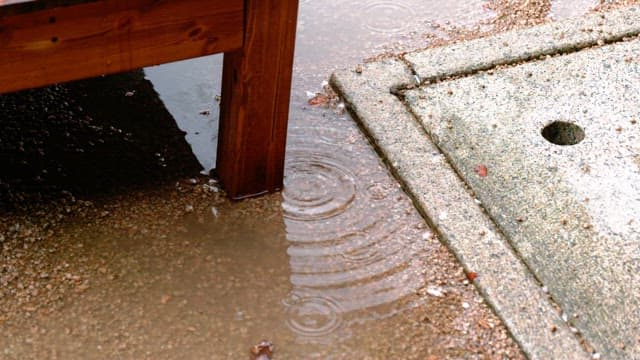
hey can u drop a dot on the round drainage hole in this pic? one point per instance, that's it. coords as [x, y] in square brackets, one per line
[563, 133]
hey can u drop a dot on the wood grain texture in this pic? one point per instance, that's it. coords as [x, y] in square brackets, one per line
[109, 36]
[256, 87]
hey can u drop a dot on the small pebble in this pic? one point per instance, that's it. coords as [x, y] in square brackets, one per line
[435, 291]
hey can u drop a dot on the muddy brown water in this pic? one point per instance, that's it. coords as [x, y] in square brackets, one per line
[340, 265]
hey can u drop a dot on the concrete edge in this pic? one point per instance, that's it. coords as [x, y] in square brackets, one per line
[442, 197]
[526, 44]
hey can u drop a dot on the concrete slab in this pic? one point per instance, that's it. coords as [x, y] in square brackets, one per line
[515, 46]
[462, 224]
[561, 217]
[571, 211]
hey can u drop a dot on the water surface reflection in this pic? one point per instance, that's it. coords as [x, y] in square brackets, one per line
[353, 249]
[356, 249]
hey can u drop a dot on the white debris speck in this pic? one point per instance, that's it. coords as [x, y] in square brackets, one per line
[477, 201]
[545, 289]
[565, 318]
[417, 79]
[129, 93]
[427, 235]
[193, 181]
[188, 208]
[214, 212]
[325, 83]
[443, 216]
[595, 356]
[435, 291]
[310, 95]
[210, 188]
[466, 305]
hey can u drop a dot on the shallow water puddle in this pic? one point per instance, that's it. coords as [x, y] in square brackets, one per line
[188, 90]
[353, 246]
[198, 285]
[331, 34]
[349, 247]
[354, 253]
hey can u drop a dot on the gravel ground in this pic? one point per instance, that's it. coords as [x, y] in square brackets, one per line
[78, 138]
[109, 262]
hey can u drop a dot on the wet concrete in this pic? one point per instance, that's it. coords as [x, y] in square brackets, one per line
[558, 138]
[519, 137]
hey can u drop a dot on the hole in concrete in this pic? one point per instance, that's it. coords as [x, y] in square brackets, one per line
[563, 133]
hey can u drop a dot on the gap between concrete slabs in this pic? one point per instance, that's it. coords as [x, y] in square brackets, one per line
[439, 193]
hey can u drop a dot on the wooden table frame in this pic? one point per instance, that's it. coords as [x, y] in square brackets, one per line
[44, 42]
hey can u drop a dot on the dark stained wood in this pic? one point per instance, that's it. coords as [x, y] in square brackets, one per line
[109, 36]
[48, 41]
[256, 86]
[11, 7]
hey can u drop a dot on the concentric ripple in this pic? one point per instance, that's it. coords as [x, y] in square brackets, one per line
[361, 255]
[313, 317]
[351, 250]
[317, 187]
[378, 191]
[386, 16]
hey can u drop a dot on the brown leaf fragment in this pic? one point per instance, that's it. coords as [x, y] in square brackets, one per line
[471, 275]
[319, 100]
[483, 323]
[262, 351]
[481, 170]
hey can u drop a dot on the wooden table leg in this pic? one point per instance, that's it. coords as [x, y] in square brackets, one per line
[256, 86]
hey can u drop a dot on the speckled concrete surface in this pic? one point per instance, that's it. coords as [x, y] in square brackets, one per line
[526, 44]
[570, 212]
[438, 192]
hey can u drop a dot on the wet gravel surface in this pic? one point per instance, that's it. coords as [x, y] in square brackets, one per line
[113, 247]
[79, 138]
[145, 275]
